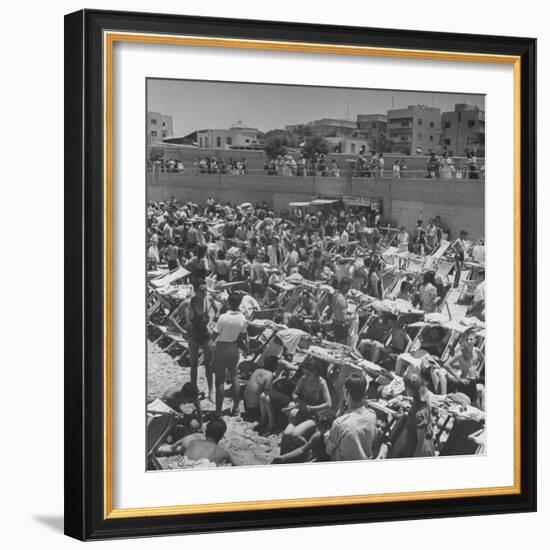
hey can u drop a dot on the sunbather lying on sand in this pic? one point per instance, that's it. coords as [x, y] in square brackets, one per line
[209, 448]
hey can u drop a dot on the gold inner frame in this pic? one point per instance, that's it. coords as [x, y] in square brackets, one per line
[109, 39]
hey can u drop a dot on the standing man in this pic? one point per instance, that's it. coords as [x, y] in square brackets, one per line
[352, 434]
[431, 235]
[459, 248]
[381, 164]
[199, 314]
[230, 333]
[192, 237]
[402, 246]
[275, 252]
[172, 255]
[340, 317]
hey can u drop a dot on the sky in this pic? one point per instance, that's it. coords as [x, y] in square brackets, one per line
[196, 105]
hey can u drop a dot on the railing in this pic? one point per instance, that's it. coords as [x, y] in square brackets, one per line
[464, 173]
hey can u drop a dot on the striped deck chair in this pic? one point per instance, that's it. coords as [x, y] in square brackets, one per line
[416, 264]
[158, 428]
[154, 302]
[174, 338]
[391, 282]
[389, 255]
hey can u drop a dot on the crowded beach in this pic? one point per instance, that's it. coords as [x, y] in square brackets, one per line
[319, 333]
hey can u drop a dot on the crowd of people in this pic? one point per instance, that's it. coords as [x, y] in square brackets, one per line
[169, 165]
[287, 165]
[214, 165]
[317, 328]
[443, 166]
[366, 164]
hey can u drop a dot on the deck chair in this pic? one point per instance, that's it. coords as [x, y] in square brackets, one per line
[390, 281]
[416, 264]
[158, 428]
[174, 338]
[170, 277]
[351, 248]
[389, 255]
[467, 289]
[444, 267]
[441, 249]
[444, 298]
[153, 304]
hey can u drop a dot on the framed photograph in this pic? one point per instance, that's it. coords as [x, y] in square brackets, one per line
[278, 243]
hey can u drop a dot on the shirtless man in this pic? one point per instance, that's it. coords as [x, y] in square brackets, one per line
[209, 447]
[341, 320]
[463, 370]
[259, 382]
[399, 342]
[177, 397]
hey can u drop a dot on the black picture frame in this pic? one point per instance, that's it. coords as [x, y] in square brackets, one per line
[84, 282]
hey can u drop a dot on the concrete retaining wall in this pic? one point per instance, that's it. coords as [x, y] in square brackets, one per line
[459, 203]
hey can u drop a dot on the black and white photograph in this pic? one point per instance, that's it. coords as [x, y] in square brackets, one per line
[315, 282]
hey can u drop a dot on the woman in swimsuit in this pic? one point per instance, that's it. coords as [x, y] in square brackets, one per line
[310, 396]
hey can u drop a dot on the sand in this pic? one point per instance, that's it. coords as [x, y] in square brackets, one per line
[245, 445]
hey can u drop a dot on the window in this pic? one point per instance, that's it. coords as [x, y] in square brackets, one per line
[352, 147]
[218, 141]
[228, 141]
[154, 134]
[405, 123]
[374, 125]
[447, 141]
[431, 124]
[447, 124]
[471, 123]
[419, 135]
[164, 134]
[431, 138]
[419, 122]
[164, 124]
[153, 121]
[247, 141]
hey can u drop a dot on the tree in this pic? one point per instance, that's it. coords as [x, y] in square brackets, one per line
[275, 146]
[314, 146]
[156, 153]
[382, 144]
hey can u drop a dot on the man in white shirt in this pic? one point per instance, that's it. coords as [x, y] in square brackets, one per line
[381, 164]
[344, 238]
[230, 332]
[352, 434]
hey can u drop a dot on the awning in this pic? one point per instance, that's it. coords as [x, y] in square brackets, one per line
[322, 202]
[296, 204]
[357, 201]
